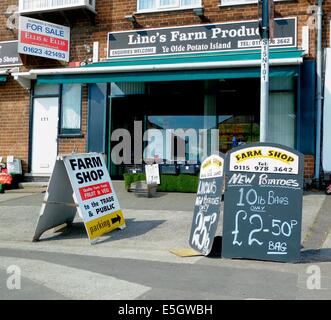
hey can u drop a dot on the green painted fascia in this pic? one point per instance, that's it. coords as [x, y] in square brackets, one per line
[199, 58]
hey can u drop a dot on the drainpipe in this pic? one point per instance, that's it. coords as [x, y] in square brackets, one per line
[319, 19]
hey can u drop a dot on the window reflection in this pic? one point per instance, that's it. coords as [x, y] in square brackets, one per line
[186, 132]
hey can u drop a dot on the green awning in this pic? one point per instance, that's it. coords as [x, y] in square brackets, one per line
[226, 56]
[179, 74]
[167, 75]
[3, 78]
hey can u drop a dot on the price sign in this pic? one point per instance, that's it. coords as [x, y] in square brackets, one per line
[207, 204]
[263, 203]
[152, 173]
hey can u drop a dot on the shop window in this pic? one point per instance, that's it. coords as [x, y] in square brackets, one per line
[282, 116]
[282, 84]
[176, 110]
[238, 109]
[179, 137]
[71, 107]
[121, 89]
[46, 90]
[161, 5]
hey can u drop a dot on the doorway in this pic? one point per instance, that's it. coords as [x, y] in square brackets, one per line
[44, 135]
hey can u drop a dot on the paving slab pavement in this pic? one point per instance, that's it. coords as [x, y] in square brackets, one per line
[137, 259]
[154, 225]
[4, 197]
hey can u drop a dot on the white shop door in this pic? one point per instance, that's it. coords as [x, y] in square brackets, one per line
[44, 134]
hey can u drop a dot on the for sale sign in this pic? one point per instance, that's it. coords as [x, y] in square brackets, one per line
[43, 39]
[81, 183]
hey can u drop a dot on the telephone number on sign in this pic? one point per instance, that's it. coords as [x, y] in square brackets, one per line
[281, 41]
[263, 169]
[46, 52]
[54, 54]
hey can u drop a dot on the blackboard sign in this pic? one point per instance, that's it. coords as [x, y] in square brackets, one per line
[263, 203]
[207, 204]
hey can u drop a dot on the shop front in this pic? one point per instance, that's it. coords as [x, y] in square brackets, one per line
[176, 95]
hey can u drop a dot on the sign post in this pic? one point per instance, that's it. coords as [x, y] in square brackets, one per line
[81, 183]
[264, 28]
[263, 203]
[207, 204]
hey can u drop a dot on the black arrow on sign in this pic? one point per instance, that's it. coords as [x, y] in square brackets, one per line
[116, 219]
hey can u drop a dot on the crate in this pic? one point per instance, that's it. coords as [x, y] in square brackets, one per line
[141, 188]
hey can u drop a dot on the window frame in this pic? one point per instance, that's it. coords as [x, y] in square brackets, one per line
[159, 8]
[70, 132]
[169, 6]
[240, 2]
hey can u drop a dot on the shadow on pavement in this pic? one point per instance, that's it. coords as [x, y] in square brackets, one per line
[157, 195]
[316, 255]
[77, 231]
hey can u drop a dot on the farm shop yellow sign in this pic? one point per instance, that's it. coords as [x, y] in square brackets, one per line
[265, 158]
[107, 223]
[212, 167]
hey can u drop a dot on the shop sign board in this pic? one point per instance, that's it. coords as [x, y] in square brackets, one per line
[9, 56]
[81, 183]
[208, 204]
[263, 203]
[43, 39]
[152, 173]
[229, 36]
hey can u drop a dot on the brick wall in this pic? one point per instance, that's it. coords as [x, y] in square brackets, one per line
[309, 167]
[14, 100]
[326, 23]
[14, 121]
[111, 14]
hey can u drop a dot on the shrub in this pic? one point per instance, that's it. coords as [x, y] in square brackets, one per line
[133, 177]
[169, 183]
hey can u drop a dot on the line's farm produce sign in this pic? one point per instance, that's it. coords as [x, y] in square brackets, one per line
[43, 39]
[263, 203]
[240, 35]
[86, 179]
[207, 204]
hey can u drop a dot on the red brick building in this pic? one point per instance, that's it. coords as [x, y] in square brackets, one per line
[161, 87]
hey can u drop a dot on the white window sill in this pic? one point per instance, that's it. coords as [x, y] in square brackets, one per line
[236, 4]
[166, 10]
[239, 3]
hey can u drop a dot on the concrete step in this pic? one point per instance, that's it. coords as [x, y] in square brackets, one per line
[27, 190]
[29, 187]
[32, 185]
